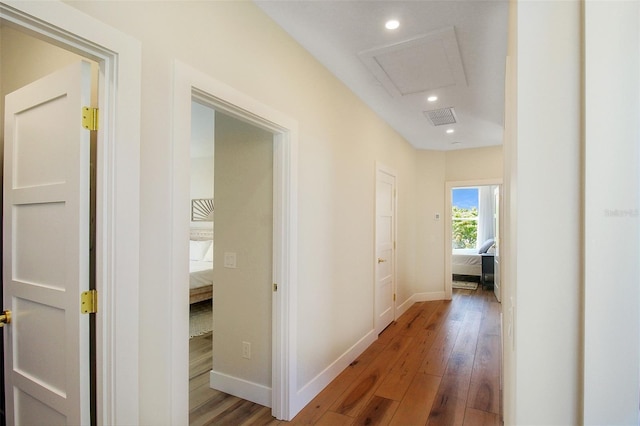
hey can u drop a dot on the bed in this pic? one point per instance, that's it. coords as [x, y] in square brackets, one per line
[468, 262]
[200, 265]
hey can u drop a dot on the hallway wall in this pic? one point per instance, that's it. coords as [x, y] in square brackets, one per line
[340, 140]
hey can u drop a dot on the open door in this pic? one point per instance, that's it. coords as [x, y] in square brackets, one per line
[46, 250]
[385, 256]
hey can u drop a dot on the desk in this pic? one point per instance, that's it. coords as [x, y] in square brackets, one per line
[487, 269]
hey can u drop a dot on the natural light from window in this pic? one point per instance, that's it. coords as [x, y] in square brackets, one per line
[464, 218]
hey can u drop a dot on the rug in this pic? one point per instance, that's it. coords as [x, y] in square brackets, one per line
[467, 285]
[200, 318]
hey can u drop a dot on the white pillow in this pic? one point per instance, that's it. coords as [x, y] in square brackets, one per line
[208, 257]
[197, 249]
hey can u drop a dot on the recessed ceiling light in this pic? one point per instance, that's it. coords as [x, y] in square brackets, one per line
[450, 131]
[392, 24]
[432, 98]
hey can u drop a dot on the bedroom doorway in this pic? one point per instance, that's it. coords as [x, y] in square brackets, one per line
[230, 259]
[37, 42]
[278, 390]
[472, 229]
[201, 246]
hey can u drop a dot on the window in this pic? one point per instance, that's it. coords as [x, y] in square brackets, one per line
[464, 218]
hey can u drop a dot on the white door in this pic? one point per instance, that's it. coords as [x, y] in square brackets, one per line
[46, 250]
[385, 240]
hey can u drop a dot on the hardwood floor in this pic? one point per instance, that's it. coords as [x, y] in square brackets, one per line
[211, 407]
[438, 364]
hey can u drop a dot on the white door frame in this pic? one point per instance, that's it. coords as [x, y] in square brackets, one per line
[190, 83]
[118, 200]
[448, 281]
[391, 172]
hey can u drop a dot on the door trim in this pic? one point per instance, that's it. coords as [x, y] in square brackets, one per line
[190, 83]
[449, 185]
[117, 228]
[391, 172]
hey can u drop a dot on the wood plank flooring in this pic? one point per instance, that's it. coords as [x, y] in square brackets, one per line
[211, 407]
[438, 364]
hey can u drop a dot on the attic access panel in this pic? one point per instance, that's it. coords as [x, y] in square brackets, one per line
[417, 65]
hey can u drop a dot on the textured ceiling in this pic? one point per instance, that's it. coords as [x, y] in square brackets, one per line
[453, 49]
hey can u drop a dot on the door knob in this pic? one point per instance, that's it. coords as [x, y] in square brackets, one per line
[380, 260]
[5, 318]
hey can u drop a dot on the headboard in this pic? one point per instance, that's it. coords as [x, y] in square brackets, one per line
[200, 234]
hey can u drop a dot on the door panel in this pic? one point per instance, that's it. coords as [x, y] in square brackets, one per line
[46, 250]
[385, 259]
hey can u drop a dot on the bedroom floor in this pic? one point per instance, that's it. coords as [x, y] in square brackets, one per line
[438, 364]
[211, 407]
[200, 318]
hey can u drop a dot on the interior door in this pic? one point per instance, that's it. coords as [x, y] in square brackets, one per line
[385, 240]
[46, 250]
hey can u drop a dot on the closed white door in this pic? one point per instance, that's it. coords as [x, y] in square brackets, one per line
[46, 250]
[385, 241]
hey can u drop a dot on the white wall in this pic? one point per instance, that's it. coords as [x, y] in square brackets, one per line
[244, 226]
[24, 59]
[202, 177]
[547, 302]
[508, 236]
[575, 322]
[336, 179]
[474, 164]
[202, 148]
[612, 217]
[201, 183]
[433, 170]
[237, 44]
[430, 199]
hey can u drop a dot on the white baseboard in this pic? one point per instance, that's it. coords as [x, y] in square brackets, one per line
[404, 306]
[428, 297]
[315, 385]
[318, 383]
[241, 388]
[418, 297]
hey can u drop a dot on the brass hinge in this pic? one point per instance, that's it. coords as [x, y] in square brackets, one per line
[394, 297]
[90, 118]
[275, 287]
[89, 302]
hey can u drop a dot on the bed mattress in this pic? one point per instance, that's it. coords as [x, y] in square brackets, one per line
[466, 262]
[200, 273]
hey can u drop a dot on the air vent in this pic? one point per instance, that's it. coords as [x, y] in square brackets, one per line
[442, 116]
[417, 65]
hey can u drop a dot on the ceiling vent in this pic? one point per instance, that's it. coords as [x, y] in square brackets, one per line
[442, 116]
[417, 65]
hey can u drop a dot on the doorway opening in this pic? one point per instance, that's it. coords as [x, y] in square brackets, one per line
[230, 257]
[115, 162]
[236, 109]
[472, 235]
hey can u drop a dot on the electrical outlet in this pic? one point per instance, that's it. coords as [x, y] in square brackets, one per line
[246, 350]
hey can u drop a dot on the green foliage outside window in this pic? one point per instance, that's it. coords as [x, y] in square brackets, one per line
[465, 227]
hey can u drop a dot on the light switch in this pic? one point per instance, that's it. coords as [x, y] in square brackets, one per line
[230, 259]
